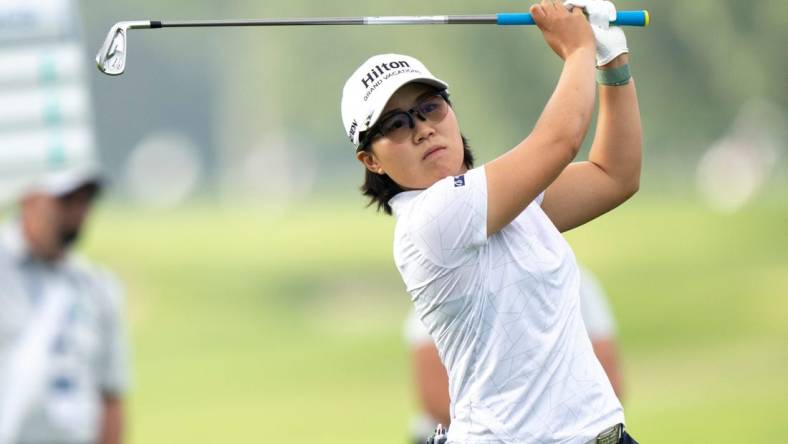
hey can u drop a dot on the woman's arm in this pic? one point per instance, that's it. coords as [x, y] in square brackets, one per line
[585, 190]
[517, 177]
[112, 419]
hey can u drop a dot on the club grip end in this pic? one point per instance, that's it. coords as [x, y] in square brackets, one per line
[632, 18]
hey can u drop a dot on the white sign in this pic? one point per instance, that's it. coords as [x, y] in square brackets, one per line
[36, 19]
[45, 109]
[41, 63]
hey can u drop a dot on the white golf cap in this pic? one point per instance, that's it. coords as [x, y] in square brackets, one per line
[67, 180]
[371, 86]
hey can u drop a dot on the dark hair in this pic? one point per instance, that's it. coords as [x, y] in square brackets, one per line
[379, 188]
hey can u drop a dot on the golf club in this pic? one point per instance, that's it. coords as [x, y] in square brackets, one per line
[111, 58]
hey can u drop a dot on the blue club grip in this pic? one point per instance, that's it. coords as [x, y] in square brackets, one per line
[515, 18]
[623, 18]
[632, 18]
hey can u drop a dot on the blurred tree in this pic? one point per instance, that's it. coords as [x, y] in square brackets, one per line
[695, 66]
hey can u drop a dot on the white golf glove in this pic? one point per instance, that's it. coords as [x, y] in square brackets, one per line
[610, 40]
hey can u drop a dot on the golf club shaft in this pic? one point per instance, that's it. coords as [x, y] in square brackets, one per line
[624, 18]
[111, 58]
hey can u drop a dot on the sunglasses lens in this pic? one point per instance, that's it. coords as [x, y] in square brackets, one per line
[434, 108]
[397, 127]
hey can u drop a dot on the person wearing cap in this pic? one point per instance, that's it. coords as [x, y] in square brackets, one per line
[480, 249]
[63, 352]
[431, 381]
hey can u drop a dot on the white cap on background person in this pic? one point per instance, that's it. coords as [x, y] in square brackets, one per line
[371, 86]
[67, 180]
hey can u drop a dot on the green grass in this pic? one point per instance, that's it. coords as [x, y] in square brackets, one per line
[260, 326]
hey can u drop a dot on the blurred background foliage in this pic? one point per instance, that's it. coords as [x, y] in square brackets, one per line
[264, 303]
[232, 89]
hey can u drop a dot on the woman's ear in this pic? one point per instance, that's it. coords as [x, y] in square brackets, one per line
[369, 161]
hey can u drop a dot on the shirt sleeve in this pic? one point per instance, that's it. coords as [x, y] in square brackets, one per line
[113, 366]
[448, 221]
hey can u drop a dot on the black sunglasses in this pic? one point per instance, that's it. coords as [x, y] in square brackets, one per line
[398, 125]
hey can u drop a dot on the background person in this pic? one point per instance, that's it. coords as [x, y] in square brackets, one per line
[432, 383]
[480, 249]
[601, 327]
[63, 351]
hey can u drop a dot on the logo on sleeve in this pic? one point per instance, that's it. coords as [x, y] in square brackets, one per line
[459, 181]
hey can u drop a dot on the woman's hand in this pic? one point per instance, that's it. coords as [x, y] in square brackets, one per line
[610, 40]
[565, 31]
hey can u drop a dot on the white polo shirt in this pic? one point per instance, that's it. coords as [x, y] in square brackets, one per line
[594, 307]
[504, 313]
[82, 355]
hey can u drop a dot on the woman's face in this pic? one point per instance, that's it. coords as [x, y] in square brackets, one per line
[425, 154]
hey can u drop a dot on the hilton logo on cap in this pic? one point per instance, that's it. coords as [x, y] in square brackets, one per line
[381, 69]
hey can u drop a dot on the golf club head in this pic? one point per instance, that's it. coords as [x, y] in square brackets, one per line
[111, 58]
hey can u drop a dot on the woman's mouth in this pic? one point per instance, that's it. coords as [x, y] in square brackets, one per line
[432, 151]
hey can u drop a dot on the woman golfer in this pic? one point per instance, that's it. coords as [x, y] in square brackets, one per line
[480, 249]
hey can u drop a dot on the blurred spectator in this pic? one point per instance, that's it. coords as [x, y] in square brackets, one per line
[430, 375]
[63, 354]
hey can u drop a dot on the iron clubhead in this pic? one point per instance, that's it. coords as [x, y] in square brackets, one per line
[111, 58]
